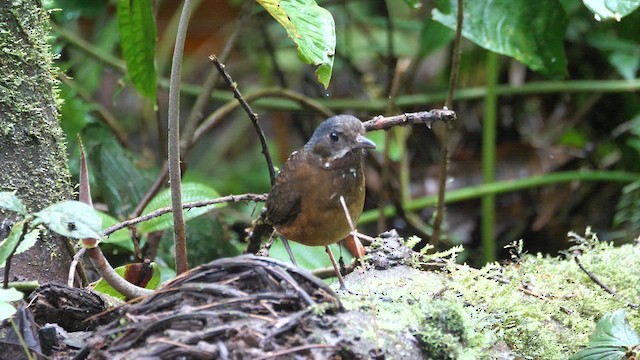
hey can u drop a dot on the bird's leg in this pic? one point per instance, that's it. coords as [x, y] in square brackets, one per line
[336, 268]
[285, 242]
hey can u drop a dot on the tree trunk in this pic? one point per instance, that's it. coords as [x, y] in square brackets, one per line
[33, 159]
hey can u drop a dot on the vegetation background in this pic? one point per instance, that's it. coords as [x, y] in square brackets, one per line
[547, 138]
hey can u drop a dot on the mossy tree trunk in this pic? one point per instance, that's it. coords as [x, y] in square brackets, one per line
[33, 159]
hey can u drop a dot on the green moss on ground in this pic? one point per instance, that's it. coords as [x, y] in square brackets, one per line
[539, 307]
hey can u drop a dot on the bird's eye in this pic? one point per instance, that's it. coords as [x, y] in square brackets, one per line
[334, 136]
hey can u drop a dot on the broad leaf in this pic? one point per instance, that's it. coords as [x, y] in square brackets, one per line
[9, 201]
[138, 42]
[145, 275]
[611, 9]
[190, 192]
[120, 237]
[73, 219]
[309, 257]
[29, 240]
[7, 296]
[530, 31]
[611, 339]
[312, 28]
[9, 244]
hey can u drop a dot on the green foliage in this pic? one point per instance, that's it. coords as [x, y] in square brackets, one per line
[117, 178]
[310, 257]
[9, 201]
[190, 192]
[138, 42]
[611, 9]
[73, 219]
[531, 32]
[312, 28]
[612, 339]
[8, 245]
[6, 297]
[104, 287]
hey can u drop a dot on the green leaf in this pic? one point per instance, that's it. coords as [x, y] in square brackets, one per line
[611, 9]
[120, 237]
[29, 240]
[309, 257]
[7, 296]
[611, 339]
[312, 28]
[9, 244]
[9, 201]
[414, 4]
[190, 192]
[73, 219]
[138, 42]
[530, 31]
[104, 287]
[117, 178]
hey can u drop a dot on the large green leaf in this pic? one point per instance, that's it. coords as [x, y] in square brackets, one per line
[611, 340]
[73, 219]
[10, 201]
[312, 28]
[138, 42]
[9, 244]
[190, 192]
[6, 297]
[120, 237]
[611, 9]
[530, 31]
[127, 272]
[309, 257]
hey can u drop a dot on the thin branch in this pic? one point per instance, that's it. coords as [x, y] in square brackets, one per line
[422, 117]
[107, 272]
[179, 232]
[444, 153]
[194, 204]
[595, 279]
[252, 115]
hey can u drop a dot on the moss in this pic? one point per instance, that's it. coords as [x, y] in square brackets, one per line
[546, 307]
[541, 307]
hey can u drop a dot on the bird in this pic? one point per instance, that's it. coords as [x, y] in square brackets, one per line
[304, 204]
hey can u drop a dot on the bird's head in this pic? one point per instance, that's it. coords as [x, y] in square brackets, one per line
[338, 137]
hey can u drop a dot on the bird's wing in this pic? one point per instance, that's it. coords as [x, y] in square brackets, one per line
[289, 199]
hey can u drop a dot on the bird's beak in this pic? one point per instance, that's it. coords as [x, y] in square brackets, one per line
[364, 143]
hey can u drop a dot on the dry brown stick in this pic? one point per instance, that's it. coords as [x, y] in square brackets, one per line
[444, 154]
[595, 279]
[165, 210]
[252, 115]
[421, 117]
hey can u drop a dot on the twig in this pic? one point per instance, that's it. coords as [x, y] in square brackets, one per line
[74, 264]
[296, 349]
[168, 209]
[595, 279]
[421, 117]
[153, 190]
[252, 115]
[444, 153]
[179, 232]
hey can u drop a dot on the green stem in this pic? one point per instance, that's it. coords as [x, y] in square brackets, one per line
[379, 105]
[506, 186]
[489, 133]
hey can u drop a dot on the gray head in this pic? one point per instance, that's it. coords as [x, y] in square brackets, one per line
[338, 136]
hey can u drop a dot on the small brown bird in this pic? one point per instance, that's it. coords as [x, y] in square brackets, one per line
[304, 203]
